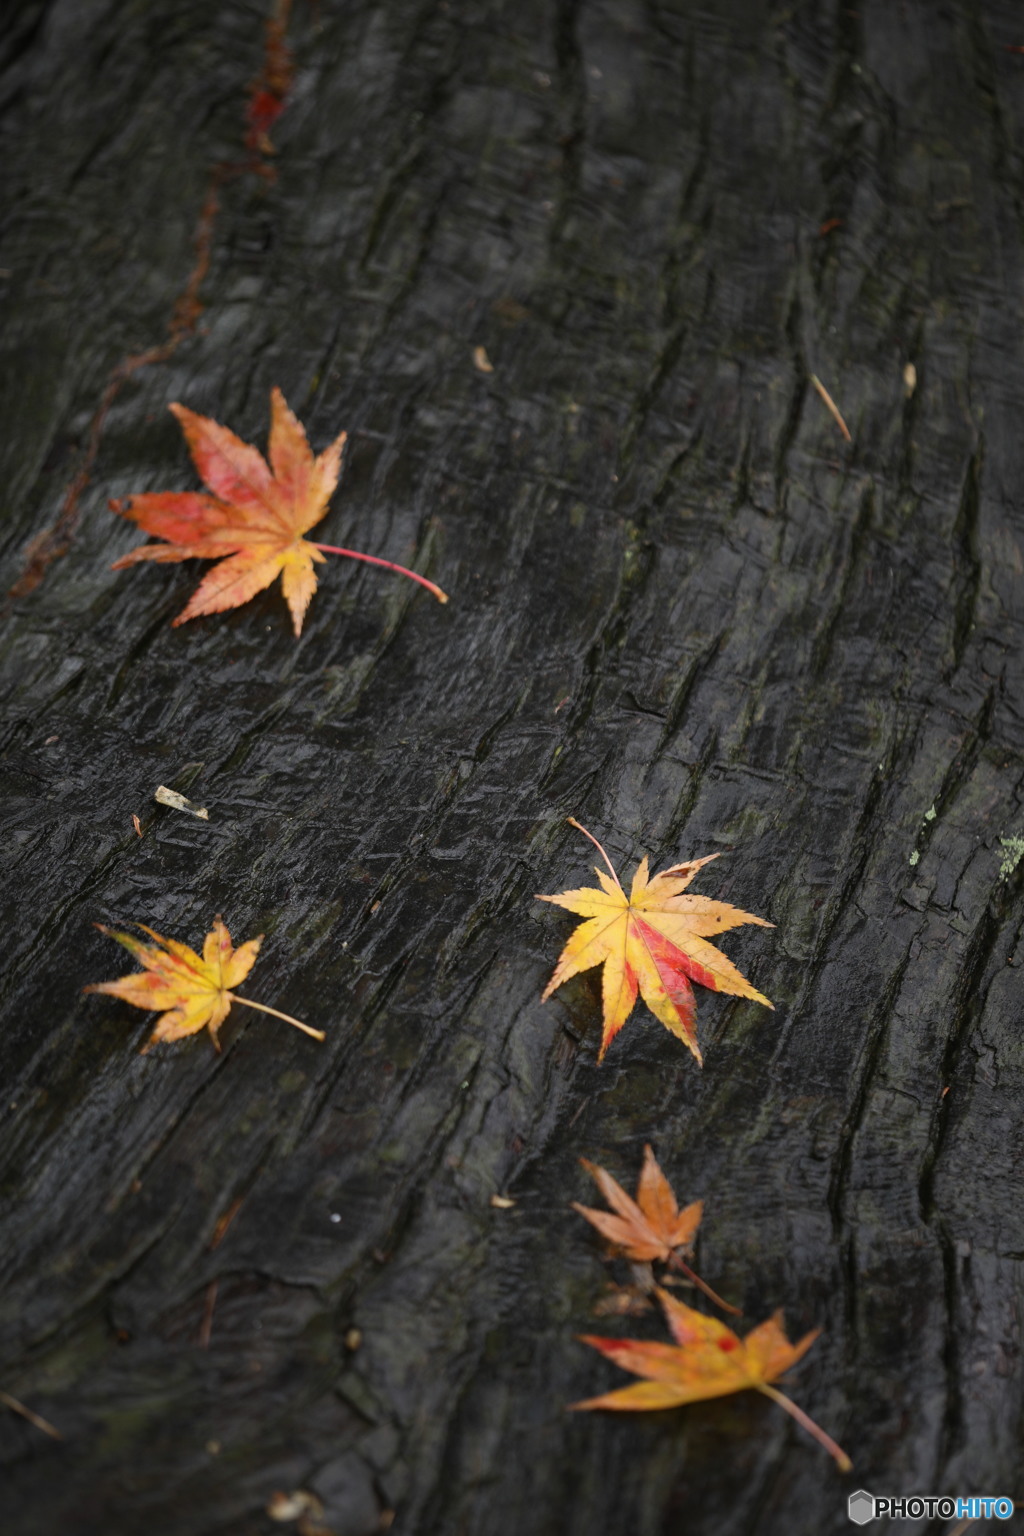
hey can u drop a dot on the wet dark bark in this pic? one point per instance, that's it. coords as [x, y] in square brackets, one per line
[683, 610]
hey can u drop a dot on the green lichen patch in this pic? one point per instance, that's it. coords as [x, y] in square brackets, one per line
[1014, 847]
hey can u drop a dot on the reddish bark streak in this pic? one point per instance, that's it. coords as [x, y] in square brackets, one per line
[266, 101]
[206, 1326]
[225, 1221]
[268, 92]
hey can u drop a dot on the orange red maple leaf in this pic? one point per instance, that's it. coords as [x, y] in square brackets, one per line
[254, 521]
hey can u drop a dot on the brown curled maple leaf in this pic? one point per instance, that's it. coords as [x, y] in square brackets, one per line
[652, 1226]
[653, 941]
[254, 521]
[707, 1360]
[196, 990]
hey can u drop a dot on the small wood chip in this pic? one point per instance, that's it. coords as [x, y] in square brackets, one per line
[137, 824]
[482, 361]
[292, 1506]
[502, 1202]
[623, 1301]
[909, 380]
[165, 796]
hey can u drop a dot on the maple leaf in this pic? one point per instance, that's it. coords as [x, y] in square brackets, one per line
[652, 1226]
[707, 1360]
[653, 941]
[254, 521]
[196, 990]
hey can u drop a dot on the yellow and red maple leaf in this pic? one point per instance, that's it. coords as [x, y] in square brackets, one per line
[191, 992]
[652, 942]
[706, 1360]
[254, 521]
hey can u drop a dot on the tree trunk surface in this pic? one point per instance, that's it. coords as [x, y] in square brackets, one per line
[684, 609]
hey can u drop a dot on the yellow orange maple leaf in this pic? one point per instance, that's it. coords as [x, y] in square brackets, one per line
[650, 1227]
[707, 1360]
[195, 990]
[254, 521]
[653, 941]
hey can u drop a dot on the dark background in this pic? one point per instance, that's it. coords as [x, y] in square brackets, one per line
[683, 610]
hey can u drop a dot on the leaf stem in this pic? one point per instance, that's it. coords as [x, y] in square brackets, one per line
[840, 1456]
[389, 565]
[581, 828]
[677, 1263]
[317, 1034]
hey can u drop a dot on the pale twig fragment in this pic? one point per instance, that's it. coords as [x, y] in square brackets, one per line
[833, 409]
[481, 361]
[165, 796]
[33, 1418]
